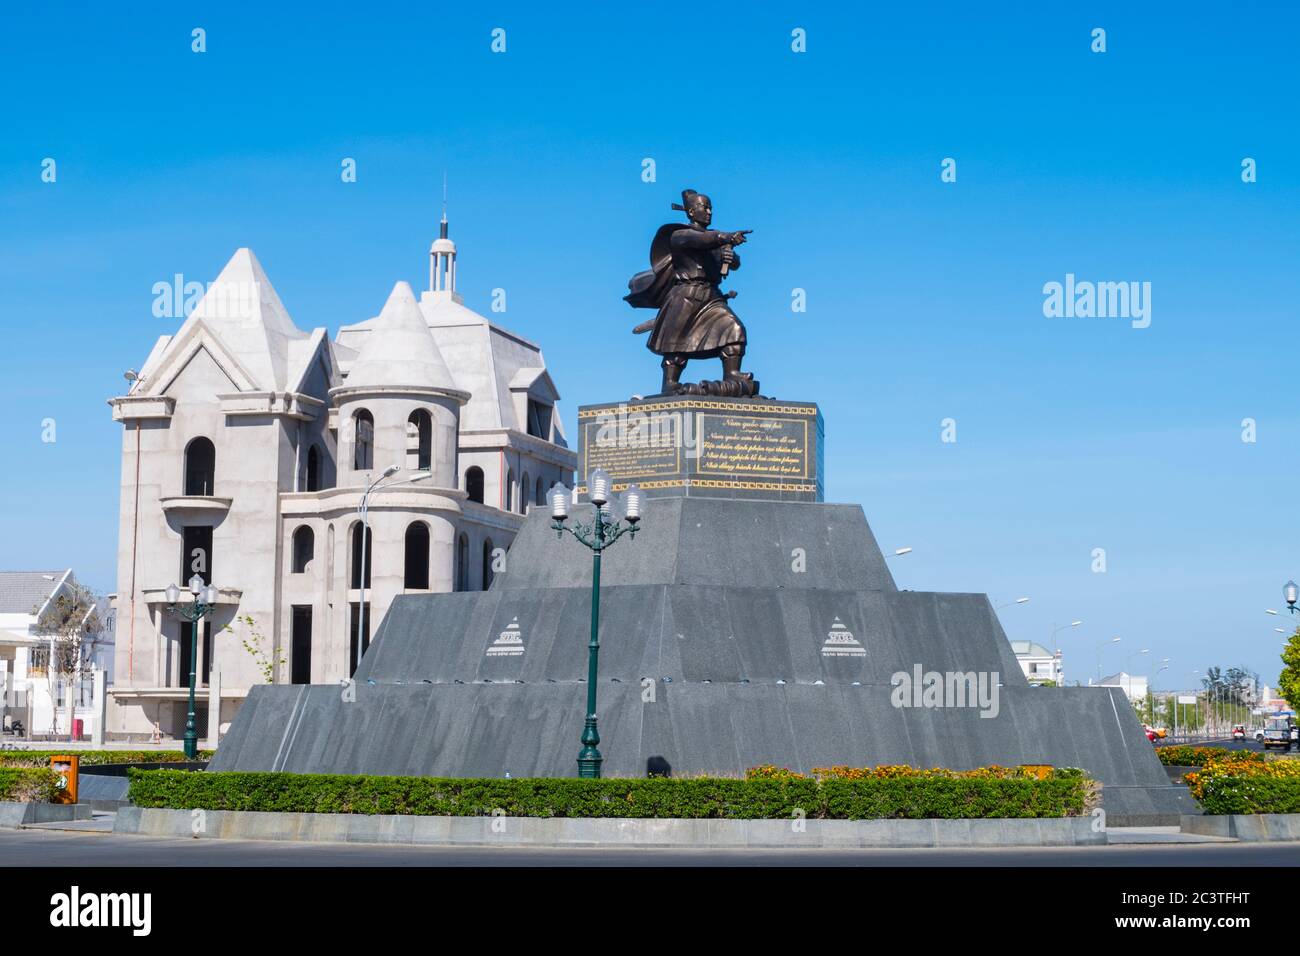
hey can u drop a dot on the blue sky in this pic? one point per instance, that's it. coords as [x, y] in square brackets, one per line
[924, 298]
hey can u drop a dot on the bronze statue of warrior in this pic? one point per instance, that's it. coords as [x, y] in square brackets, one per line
[688, 261]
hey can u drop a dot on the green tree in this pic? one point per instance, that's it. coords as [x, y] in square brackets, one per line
[1289, 680]
[252, 640]
[73, 623]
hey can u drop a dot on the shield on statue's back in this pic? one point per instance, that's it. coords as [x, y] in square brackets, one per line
[647, 289]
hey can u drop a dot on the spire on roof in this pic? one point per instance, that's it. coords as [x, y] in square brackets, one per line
[442, 255]
[442, 226]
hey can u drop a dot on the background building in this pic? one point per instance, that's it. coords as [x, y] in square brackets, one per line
[248, 444]
[1038, 663]
[45, 701]
[1133, 685]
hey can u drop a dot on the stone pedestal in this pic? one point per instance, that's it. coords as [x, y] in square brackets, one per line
[733, 634]
[706, 447]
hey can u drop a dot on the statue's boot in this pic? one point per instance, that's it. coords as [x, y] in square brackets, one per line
[735, 381]
[672, 366]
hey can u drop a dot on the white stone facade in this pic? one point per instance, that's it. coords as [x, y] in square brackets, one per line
[299, 426]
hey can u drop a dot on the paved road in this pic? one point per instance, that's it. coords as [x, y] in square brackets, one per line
[60, 848]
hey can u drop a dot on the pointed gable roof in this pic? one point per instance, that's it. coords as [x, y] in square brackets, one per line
[243, 310]
[399, 351]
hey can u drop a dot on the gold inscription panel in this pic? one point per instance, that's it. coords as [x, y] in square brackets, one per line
[633, 449]
[753, 446]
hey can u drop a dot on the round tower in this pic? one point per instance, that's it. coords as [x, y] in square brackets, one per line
[399, 406]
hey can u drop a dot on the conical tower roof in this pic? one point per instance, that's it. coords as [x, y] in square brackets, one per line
[399, 351]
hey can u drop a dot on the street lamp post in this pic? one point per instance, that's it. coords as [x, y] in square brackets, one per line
[1196, 707]
[204, 600]
[1056, 650]
[363, 510]
[1100, 648]
[1128, 668]
[1164, 666]
[603, 530]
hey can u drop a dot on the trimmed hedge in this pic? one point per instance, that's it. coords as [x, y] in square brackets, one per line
[1183, 755]
[1233, 785]
[91, 758]
[28, 784]
[925, 795]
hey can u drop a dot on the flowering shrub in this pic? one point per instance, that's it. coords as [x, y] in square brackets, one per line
[1236, 784]
[993, 772]
[1183, 755]
[769, 771]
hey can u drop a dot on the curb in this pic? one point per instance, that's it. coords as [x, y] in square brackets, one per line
[1246, 827]
[14, 815]
[567, 832]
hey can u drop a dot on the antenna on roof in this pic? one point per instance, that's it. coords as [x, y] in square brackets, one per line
[442, 226]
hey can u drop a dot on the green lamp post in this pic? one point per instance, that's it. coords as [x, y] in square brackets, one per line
[602, 531]
[204, 600]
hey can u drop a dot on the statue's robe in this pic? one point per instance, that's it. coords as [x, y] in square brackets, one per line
[695, 319]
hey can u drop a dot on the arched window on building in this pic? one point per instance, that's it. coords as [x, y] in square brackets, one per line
[304, 548]
[360, 573]
[525, 489]
[487, 564]
[363, 440]
[200, 467]
[419, 440]
[510, 489]
[540, 496]
[417, 557]
[474, 483]
[311, 480]
[462, 563]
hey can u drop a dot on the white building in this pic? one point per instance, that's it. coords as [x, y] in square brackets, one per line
[28, 690]
[247, 446]
[1038, 663]
[1134, 685]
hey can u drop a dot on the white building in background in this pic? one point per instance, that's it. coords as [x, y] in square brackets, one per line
[28, 691]
[247, 446]
[1133, 685]
[1038, 663]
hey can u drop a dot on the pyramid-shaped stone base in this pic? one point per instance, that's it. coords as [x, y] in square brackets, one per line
[733, 634]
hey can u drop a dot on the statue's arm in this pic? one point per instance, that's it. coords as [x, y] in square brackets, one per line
[697, 239]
